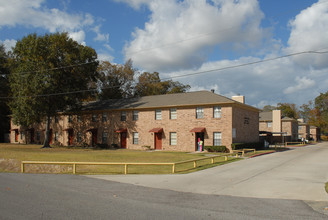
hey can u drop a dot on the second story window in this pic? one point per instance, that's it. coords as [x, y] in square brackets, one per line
[216, 112]
[135, 115]
[123, 116]
[199, 112]
[79, 119]
[104, 117]
[173, 113]
[269, 124]
[158, 114]
[94, 118]
[56, 119]
[70, 118]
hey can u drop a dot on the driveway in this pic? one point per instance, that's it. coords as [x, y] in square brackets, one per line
[298, 174]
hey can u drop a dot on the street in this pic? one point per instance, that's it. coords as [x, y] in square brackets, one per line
[265, 187]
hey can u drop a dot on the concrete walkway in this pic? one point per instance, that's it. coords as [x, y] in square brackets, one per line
[298, 174]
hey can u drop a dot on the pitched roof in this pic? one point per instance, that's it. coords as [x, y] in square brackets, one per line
[157, 101]
[267, 116]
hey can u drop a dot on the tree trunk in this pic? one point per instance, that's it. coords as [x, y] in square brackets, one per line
[46, 141]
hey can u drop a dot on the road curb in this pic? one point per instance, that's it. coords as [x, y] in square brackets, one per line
[256, 155]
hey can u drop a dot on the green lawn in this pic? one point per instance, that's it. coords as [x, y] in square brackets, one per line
[11, 156]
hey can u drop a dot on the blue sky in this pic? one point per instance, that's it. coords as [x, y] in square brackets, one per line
[179, 37]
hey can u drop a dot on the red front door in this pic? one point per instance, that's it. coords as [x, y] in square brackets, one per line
[158, 141]
[123, 139]
[94, 137]
[70, 137]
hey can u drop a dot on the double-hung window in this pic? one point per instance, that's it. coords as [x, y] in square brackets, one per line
[104, 137]
[123, 116]
[199, 112]
[217, 112]
[104, 117]
[79, 137]
[94, 118]
[158, 114]
[135, 115]
[135, 137]
[173, 113]
[217, 136]
[173, 138]
[56, 136]
[70, 118]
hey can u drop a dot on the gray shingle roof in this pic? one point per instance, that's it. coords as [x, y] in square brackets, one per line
[158, 101]
[267, 116]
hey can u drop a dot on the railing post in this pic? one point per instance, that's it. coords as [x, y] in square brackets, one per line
[125, 168]
[195, 164]
[236, 155]
[74, 168]
[22, 167]
[243, 154]
[173, 168]
[225, 158]
[212, 160]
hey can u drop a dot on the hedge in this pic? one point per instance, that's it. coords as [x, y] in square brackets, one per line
[257, 146]
[216, 148]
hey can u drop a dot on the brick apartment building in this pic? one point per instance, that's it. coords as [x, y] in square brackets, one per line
[172, 122]
[276, 128]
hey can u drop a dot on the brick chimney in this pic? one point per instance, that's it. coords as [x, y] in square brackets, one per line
[239, 98]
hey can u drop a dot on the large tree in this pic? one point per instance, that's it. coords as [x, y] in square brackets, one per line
[4, 92]
[288, 110]
[321, 112]
[49, 75]
[116, 81]
[151, 84]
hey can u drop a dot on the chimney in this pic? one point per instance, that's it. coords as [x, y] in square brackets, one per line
[276, 120]
[239, 98]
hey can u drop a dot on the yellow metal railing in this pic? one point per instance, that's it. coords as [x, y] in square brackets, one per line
[126, 165]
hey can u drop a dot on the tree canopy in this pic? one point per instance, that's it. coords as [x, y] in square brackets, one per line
[151, 84]
[119, 81]
[288, 110]
[48, 74]
[116, 81]
[4, 92]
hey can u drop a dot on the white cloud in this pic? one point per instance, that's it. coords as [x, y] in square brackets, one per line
[180, 34]
[8, 44]
[33, 14]
[36, 15]
[105, 57]
[302, 84]
[309, 31]
[100, 36]
[136, 4]
[78, 36]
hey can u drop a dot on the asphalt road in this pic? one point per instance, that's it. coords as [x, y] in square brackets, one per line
[298, 174]
[37, 196]
[286, 185]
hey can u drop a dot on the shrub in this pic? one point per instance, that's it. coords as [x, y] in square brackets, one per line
[257, 146]
[102, 146]
[216, 148]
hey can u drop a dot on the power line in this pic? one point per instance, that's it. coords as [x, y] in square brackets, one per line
[56, 68]
[184, 75]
